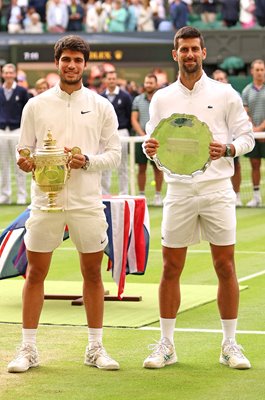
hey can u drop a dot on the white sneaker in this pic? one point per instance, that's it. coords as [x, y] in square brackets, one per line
[27, 357]
[98, 357]
[255, 202]
[232, 355]
[157, 200]
[163, 354]
[5, 200]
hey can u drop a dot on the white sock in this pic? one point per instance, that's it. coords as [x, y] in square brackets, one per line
[256, 192]
[94, 336]
[29, 336]
[167, 326]
[229, 329]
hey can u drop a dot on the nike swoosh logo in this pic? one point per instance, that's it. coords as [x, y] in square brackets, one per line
[102, 241]
[84, 112]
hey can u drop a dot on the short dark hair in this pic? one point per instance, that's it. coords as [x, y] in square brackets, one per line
[188, 32]
[74, 43]
[151, 76]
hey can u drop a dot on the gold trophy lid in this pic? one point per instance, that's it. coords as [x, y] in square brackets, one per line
[49, 147]
[49, 143]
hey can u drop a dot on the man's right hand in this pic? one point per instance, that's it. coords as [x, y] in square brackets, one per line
[151, 145]
[26, 164]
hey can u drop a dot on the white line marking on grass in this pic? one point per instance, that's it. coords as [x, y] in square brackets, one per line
[153, 328]
[190, 251]
[208, 251]
[246, 278]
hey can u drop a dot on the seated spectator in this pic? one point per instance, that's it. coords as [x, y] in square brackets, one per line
[260, 12]
[40, 8]
[208, 11]
[34, 24]
[145, 19]
[246, 16]
[96, 17]
[230, 12]
[15, 17]
[57, 16]
[75, 16]
[179, 13]
[117, 17]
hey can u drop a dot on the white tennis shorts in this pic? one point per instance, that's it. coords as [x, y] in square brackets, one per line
[210, 217]
[87, 229]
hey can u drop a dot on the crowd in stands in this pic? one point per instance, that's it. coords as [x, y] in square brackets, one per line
[58, 16]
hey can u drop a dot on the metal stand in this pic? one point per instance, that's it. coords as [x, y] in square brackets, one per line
[77, 300]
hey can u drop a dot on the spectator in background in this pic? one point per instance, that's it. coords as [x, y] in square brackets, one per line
[230, 12]
[145, 18]
[133, 7]
[208, 11]
[260, 12]
[52, 78]
[221, 76]
[40, 7]
[122, 103]
[179, 13]
[75, 16]
[254, 101]
[34, 24]
[117, 17]
[96, 17]
[139, 118]
[15, 17]
[12, 101]
[132, 88]
[41, 85]
[21, 78]
[57, 16]
[246, 16]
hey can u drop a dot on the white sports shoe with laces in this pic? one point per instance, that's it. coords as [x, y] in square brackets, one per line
[26, 357]
[232, 355]
[163, 354]
[98, 357]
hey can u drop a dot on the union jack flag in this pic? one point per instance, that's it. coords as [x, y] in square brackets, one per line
[127, 250]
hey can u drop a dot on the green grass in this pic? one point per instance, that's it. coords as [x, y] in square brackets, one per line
[198, 374]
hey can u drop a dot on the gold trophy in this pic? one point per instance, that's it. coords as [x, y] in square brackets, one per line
[51, 169]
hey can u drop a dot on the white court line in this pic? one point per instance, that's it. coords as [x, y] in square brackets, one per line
[153, 328]
[209, 251]
[246, 278]
[190, 251]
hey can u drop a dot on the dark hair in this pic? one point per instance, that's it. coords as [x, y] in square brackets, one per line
[188, 32]
[71, 42]
[151, 76]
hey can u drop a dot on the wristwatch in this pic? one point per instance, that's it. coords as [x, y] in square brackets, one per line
[87, 163]
[228, 151]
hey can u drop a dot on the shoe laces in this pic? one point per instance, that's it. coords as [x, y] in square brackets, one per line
[97, 351]
[26, 351]
[234, 349]
[160, 346]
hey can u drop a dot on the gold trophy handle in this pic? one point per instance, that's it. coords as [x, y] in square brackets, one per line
[25, 152]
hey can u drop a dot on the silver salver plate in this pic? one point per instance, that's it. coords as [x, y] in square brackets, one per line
[183, 146]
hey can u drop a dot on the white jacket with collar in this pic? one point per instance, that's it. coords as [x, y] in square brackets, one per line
[84, 119]
[220, 107]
